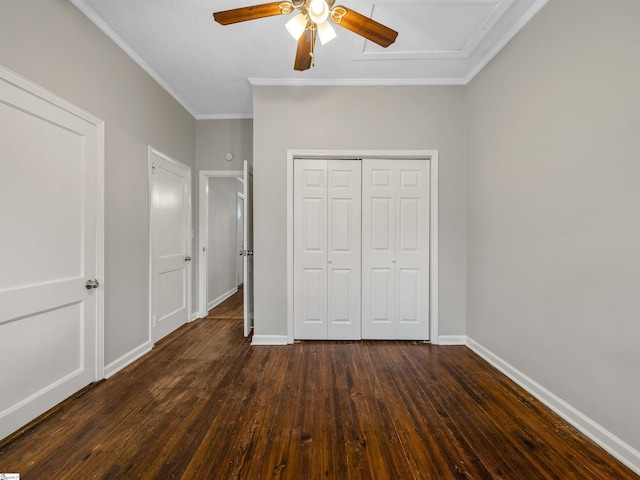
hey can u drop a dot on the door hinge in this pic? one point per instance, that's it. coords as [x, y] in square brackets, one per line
[154, 321]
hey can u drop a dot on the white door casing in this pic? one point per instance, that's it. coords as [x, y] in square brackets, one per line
[51, 245]
[395, 244]
[327, 249]
[248, 248]
[203, 230]
[170, 244]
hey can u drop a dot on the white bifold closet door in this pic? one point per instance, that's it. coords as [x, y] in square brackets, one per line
[327, 249]
[395, 249]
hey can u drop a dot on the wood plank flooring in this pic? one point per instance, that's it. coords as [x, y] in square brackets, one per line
[204, 404]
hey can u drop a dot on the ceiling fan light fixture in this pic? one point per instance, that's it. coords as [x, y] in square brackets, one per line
[318, 11]
[312, 16]
[297, 25]
[326, 32]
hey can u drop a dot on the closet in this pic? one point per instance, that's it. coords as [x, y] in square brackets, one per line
[361, 249]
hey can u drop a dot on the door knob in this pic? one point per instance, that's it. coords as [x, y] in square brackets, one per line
[92, 284]
[187, 259]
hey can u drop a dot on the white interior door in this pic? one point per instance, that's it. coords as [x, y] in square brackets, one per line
[170, 191]
[239, 239]
[326, 249]
[395, 245]
[50, 247]
[248, 248]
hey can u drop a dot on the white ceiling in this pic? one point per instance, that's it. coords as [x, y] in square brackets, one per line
[209, 68]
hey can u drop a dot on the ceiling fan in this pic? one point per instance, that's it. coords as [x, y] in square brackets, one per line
[312, 20]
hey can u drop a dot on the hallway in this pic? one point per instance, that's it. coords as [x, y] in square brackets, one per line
[231, 308]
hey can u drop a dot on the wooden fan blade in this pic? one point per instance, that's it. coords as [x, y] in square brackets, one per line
[253, 12]
[364, 26]
[303, 53]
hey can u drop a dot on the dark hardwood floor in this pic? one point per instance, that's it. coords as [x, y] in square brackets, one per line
[204, 404]
[232, 307]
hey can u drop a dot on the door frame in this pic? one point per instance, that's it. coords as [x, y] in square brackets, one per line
[188, 233]
[203, 229]
[427, 155]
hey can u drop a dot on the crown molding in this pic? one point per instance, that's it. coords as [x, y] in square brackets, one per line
[223, 116]
[512, 32]
[356, 82]
[314, 82]
[91, 15]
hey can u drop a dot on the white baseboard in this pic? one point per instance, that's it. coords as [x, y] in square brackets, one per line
[612, 444]
[221, 298]
[452, 340]
[126, 359]
[269, 340]
[194, 316]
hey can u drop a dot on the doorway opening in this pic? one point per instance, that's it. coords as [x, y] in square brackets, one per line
[225, 252]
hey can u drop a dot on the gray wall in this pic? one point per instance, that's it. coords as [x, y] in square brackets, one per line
[214, 138]
[222, 248]
[54, 45]
[553, 207]
[355, 118]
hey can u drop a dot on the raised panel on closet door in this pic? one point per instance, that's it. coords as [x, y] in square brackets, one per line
[378, 249]
[412, 253]
[310, 249]
[395, 249]
[344, 244]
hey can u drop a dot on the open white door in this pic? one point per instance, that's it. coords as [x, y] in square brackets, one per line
[51, 203]
[239, 238]
[248, 248]
[170, 225]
